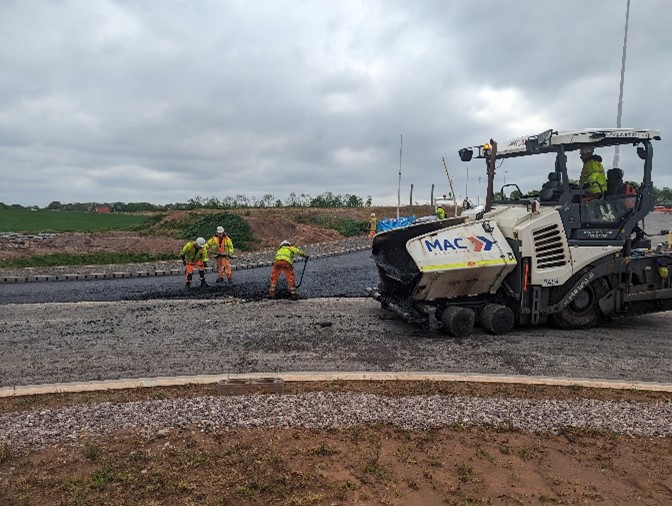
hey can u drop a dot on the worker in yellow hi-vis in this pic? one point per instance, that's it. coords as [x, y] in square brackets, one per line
[373, 225]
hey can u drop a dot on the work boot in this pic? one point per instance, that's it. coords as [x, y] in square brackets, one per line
[230, 280]
[219, 280]
[203, 283]
[294, 296]
[187, 284]
[271, 294]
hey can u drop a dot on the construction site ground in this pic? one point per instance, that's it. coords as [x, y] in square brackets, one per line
[459, 464]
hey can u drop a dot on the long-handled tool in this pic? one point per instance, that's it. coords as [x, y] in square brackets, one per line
[304, 270]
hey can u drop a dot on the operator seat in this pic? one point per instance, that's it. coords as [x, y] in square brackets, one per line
[551, 189]
[615, 182]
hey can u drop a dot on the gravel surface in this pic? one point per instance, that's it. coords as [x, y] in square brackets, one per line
[68, 342]
[30, 430]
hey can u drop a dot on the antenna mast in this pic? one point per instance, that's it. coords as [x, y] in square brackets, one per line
[401, 144]
[620, 93]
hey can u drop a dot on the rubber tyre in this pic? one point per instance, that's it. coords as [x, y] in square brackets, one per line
[458, 321]
[583, 311]
[497, 319]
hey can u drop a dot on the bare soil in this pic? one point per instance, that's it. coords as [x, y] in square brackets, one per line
[358, 465]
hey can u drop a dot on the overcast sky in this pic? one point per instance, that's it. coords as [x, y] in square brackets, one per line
[162, 101]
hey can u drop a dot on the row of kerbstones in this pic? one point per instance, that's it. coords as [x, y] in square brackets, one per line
[27, 430]
[248, 261]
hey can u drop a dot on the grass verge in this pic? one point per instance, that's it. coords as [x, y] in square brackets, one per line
[102, 258]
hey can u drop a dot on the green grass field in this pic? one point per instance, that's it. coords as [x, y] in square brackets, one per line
[24, 220]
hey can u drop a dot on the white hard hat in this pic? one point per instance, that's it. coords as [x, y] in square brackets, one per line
[285, 243]
[220, 230]
[201, 242]
[373, 214]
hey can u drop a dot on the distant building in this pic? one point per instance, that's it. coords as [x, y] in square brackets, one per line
[102, 209]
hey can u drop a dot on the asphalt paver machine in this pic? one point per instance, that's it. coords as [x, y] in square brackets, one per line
[567, 255]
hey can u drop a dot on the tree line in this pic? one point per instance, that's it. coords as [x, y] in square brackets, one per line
[239, 201]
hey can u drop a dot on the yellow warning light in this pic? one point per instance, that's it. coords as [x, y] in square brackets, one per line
[486, 147]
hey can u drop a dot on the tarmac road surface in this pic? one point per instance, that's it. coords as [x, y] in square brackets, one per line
[336, 276]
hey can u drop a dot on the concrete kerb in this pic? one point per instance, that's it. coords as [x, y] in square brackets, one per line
[159, 272]
[122, 384]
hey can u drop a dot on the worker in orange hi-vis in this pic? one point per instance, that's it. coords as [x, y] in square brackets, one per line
[373, 225]
[195, 253]
[222, 245]
[284, 264]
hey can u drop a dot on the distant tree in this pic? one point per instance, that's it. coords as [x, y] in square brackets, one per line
[278, 203]
[241, 200]
[55, 205]
[213, 203]
[353, 201]
[369, 201]
[327, 199]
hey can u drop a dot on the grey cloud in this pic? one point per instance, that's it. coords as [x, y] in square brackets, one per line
[220, 98]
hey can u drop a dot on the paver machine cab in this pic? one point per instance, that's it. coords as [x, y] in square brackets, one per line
[571, 255]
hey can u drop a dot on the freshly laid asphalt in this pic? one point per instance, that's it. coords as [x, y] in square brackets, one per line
[335, 276]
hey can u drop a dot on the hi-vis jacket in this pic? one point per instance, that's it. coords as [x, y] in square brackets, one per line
[191, 253]
[287, 253]
[593, 173]
[223, 245]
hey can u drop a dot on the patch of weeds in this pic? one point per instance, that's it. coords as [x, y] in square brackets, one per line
[405, 456]
[246, 492]
[102, 477]
[357, 433]
[464, 472]
[72, 485]
[412, 484]
[484, 454]
[456, 425]
[309, 498]
[350, 485]
[7, 452]
[374, 467]
[553, 500]
[183, 486]
[92, 451]
[323, 450]
[405, 434]
[604, 461]
[525, 453]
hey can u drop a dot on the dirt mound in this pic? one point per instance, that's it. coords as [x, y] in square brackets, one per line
[270, 232]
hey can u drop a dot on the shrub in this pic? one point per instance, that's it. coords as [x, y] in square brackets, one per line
[235, 226]
[347, 227]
